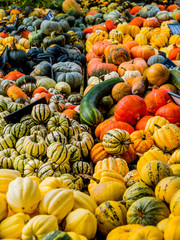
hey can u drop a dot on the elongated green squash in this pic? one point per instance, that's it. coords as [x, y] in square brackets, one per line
[175, 77]
[89, 114]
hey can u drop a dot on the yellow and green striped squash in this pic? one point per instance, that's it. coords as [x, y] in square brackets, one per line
[55, 136]
[58, 153]
[81, 167]
[28, 120]
[175, 204]
[57, 235]
[39, 130]
[19, 130]
[110, 214]
[48, 169]
[59, 123]
[13, 106]
[41, 113]
[7, 141]
[20, 162]
[7, 157]
[3, 105]
[19, 145]
[31, 168]
[75, 154]
[65, 168]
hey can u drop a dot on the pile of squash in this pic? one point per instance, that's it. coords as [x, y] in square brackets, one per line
[103, 163]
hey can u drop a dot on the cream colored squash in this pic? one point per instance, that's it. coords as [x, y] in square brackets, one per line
[6, 176]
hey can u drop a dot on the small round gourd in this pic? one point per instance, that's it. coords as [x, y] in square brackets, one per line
[81, 167]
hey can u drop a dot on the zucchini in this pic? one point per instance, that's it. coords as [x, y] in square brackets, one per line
[89, 114]
[175, 78]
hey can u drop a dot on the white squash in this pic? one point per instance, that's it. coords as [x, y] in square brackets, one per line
[111, 75]
[94, 80]
[131, 74]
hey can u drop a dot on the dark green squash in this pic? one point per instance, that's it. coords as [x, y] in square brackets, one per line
[47, 27]
[54, 39]
[25, 79]
[64, 25]
[16, 57]
[36, 37]
[89, 114]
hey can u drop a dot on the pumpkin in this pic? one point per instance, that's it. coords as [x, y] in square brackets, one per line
[110, 215]
[138, 64]
[142, 141]
[171, 231]
[39, 226]
[115, 34]
[170, 111]
[118, 56]
[99, 47]
[149, 10]
[20, 162]
[148, 232]
[157, 74]
[111, 75]
[141, 124]
[175, 204]
[170, 87]
[72, 182]
[147, 211]
[7, 157]
[12, 226]
[124, 112]
[59, 123]
[98, 153]
[153, 172]
[23, 195]
[76, 221]
[162, 224]
[167, 137]
[176, 169]
[156, 99]
[151, 22]
[159, 40]
[120, 90]
[50, 203]
[144, 51]
[116, 141]
[15, 92]
[135, 192]
[166, 188]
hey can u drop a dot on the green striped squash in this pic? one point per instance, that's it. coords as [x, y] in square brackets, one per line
[84, 141]
[58, 153]
[55, 136]
[135, 192]
[7, 141]
[39, 130]
[89, 114]
[74, 128]
[81, 167]
[7, 128]
[48, 169]
[3, 105]
[110, 214]
[147, 211]
[116, 141]
[75, 154]
[13, 106]
[65, 168]
[28, 120]
[28, 87]
[3, 124]
[19, 145]
[56, 235]
[19, 130]
[59, 123]
[41, 113]
[20, 162]
[85, 128]
[7, 157]
[31, 168]
[35, 145]
[3, 114]
[72, 182]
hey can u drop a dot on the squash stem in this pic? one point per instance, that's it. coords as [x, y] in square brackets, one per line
[86, 176]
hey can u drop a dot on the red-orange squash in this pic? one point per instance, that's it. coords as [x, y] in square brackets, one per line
[141, 124]
[144, 51]
[99, 47]
[170, 111]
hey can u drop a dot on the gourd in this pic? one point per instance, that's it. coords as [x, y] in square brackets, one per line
[89, 114]
[6, 176]
[39, 226]
[23, 195]
[47, 27]
[148, 232]
[58, 234]
[57, 202]
[76, 221]
[58, 153]
[4, 206]
[171, 231]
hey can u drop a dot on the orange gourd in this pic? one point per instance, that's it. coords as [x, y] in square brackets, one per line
[15, 92]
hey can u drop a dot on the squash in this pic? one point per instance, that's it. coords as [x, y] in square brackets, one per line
[154, 122]
[60, 123]
[166, 188]
[41, 113]
[171, 231]
[12, 226]
[89, 114]
[58, 153]
[6, 176]
[148, 232]
[120, 90]
[135, 192]
[39, 226]
[77, 220]
[147, 211]
[4, 207]
[23, 195]
[175, 157]
[57, 234]
[167, 137]
[71, 4]
[98, 153]
[153, 172]
[162, 224]
[57, 202]
[110, 215]
[116, 141]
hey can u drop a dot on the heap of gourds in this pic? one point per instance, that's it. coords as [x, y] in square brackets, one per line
[109, 157]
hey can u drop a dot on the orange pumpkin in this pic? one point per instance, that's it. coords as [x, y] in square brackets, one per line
[15, 92]
[158, 74]
[98, 153]
[100, 126]
[118, 56]
[131, 44]
[144, 51]
[99, 47]
[120, 90]
[130, 155]
[110, 47]
[99, 27]
[136, 64]
[142, 140]
[39, 90]
[141, 124]
[90, 55]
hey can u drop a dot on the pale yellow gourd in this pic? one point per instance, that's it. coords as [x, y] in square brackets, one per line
[39, 226]
[6, 176]
[23, 195]
[57, 202]
[3, 207]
